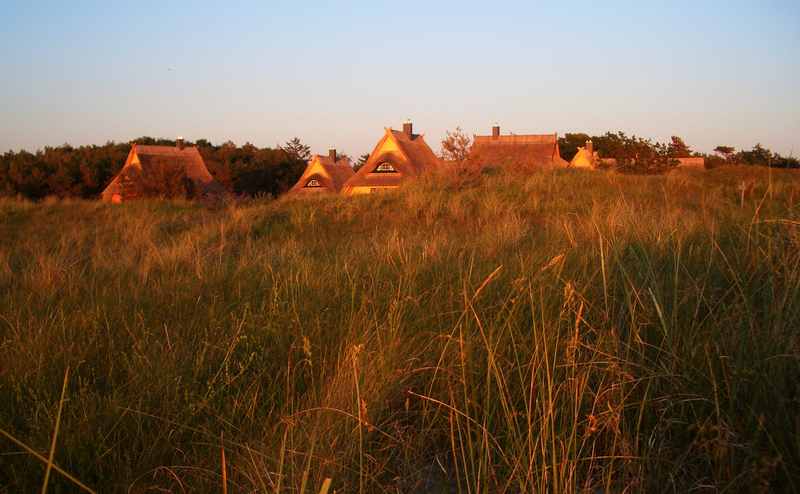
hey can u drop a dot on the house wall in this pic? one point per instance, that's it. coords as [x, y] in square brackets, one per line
[370, 190]
[692, 162]
[312, 190]
[388, 150]
[315, 168]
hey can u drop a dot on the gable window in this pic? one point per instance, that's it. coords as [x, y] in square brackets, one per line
[313, 183]
[385, 167]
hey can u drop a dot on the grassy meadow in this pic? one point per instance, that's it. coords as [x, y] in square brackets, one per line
[564, 331]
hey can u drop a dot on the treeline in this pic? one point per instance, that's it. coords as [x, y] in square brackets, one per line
[638, 154]
[67, 171]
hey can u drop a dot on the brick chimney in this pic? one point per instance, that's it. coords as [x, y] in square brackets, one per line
[495, 131]
[332, 155]
[590, 147]
[408, 128]
[179, 143]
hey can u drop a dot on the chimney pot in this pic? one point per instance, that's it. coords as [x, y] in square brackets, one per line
[495, 131]
[408, 128]
[332, 155]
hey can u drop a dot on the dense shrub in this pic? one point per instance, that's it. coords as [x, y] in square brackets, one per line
[83, 172]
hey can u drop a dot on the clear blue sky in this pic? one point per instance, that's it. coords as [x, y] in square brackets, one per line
[336, 73]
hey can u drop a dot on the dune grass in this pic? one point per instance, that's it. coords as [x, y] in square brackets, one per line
[559, 332]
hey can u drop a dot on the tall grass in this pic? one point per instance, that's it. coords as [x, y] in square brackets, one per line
[558, 332]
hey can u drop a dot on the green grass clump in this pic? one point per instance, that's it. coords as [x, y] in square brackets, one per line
[557, 332]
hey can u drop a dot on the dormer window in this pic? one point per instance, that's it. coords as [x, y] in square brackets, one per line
[313, 183]
[385, 167]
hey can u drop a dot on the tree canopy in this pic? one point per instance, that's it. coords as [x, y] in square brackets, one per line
[677, 148]
[67, 171]
[362, 160]
[456, 145]
[297, 150]
[568, 144]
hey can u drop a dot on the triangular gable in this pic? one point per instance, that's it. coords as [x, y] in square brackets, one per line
[409, 155]
[331, 176]
[314, 170]
[388, 145]
[584, 159]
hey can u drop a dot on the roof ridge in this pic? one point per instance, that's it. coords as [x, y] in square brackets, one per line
[517, 139]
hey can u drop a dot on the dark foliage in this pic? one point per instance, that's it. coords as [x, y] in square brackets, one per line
[362, 160]
[761, 156]
[678, 149]
[639, 155]
[66, 171]
[62, 171]
[634, 154]
[296, 149]
[569, 144]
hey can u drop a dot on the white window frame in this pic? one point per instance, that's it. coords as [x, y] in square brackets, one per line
[390, 168]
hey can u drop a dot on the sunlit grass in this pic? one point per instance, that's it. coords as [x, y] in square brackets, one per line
[558, 332]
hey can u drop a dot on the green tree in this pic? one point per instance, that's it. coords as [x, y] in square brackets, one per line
[725, 151]
[297, 150]
[633, 154]
[678, 149]
[362, 160]
[568, 144]
[758, 156]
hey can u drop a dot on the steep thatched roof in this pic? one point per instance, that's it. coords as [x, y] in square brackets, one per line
[516, 151]
[414, 158]
[585, 158]
[187, 159]
[333, 176]
[152, 163]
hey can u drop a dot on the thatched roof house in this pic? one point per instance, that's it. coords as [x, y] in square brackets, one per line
[324, 174]
[165, 171]
[516, 151]
[586, 157]
[397, 157]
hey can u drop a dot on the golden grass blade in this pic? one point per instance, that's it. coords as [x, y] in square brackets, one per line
[224, 464]
[487, 281]
[55, 432]
[326, 486]
[41, 458]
